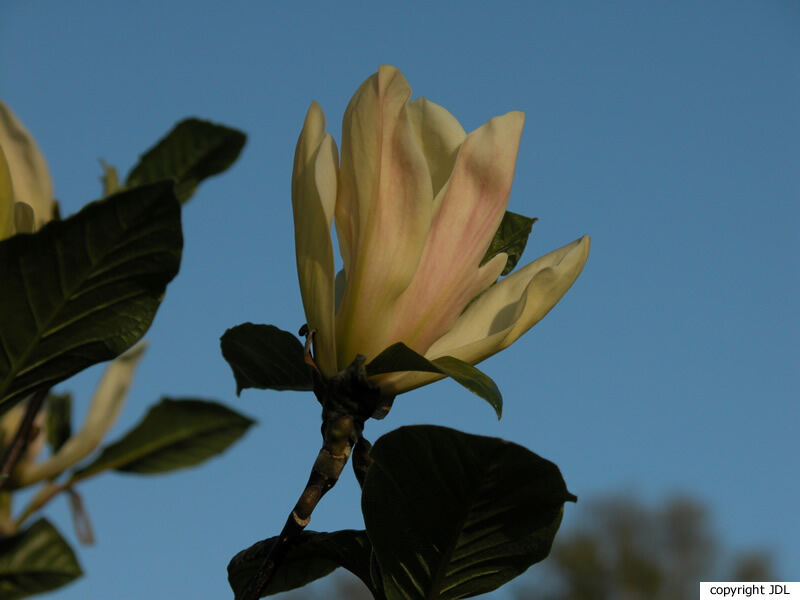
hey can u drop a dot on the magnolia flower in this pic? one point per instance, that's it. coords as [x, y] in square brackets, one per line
[416, 202]
[26, 191]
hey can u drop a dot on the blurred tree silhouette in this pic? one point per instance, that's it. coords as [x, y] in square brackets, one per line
[621, 549]
[618, 549]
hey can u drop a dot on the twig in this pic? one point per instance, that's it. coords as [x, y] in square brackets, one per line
[347, 401]
[19, 444]
[327, 468]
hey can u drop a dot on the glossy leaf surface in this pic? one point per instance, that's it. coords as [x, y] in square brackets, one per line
[191, 152]
[85, 289]
[399, 357]
[173, 435]
[511, 237]
[452, 515]
[315, 555]
[265, 357]
[34, 561]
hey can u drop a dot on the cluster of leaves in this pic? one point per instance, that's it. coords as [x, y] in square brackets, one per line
[447, 514]
[83, 290]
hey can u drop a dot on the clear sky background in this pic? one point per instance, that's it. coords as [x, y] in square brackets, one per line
[668, 131]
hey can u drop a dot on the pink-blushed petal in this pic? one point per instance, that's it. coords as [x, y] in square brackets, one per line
[440, 135]
[474, 201]
[29, 174]
[314, 183]
[383, 210]
[502, 314]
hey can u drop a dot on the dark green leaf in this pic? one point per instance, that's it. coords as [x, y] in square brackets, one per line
[174, 434]
[59, 420]
[191, 152]
[315, 555]
[452, 515]
[84, 290]
[511, 238]
[399, 357]
[35, 561]
[474, 380]
[265, 357]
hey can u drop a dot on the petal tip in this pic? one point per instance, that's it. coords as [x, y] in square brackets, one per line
[518, 114]
[514, 118]
[389, 70]
[315, 117]
[585, 243]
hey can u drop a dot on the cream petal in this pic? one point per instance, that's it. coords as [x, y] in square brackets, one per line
[475, 198]
[6, 199]
[440, 135]
[383, 210]
[104, 409]
[11, 420]
[9, 425]
[547, 288]
[314, 182]
[29, 174]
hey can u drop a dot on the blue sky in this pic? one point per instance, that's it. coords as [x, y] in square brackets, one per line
[669, 132]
